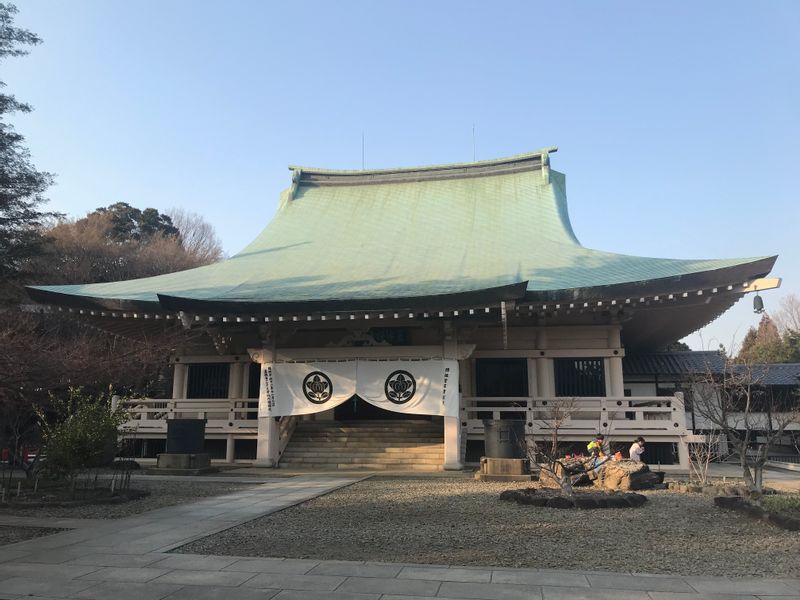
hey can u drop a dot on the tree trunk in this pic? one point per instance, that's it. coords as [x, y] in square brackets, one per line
[746, 472]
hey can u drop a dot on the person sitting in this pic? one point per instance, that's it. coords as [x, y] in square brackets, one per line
[637, 449]
[600, 450]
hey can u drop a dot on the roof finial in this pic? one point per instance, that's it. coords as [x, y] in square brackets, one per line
[546, 165]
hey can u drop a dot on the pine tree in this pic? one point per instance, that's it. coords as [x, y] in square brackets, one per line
[22, 187]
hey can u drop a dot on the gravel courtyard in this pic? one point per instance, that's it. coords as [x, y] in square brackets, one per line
[162, 493]
[459, 521]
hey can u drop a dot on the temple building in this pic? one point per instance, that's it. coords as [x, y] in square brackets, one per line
[383, 314]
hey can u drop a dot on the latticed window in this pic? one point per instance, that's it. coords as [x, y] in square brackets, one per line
[580, 377]
[208, 380]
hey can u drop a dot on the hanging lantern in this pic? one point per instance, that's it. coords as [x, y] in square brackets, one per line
[758, 304]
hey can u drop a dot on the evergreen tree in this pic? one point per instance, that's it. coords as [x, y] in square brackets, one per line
[763, 345]
[131, 224]
[22, 187]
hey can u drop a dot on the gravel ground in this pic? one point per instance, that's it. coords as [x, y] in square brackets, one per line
[162, 493]
[462, 522]
[10, 534]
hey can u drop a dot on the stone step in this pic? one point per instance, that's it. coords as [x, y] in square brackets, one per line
[368, 443]
[368, 449]
[368, 440]
[321, 460]
[364, 455]
[370, 430]
[369, 435]
[393, 447]
[375, 454]
[359, 467]
[376, 445]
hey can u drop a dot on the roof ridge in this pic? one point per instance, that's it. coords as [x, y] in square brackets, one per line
[483, 167]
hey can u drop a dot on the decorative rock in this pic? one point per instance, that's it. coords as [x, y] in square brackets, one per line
[560, 502]
[510, 495]
[729, 502]
[531, 500]
[585, 502]
[646, 481]
[751, 510]
[754, 511]
[636, 500]
[617, 501]
[621, 474]
[784, 521]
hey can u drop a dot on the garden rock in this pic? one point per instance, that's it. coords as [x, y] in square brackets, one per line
[560, 502]
[626, 475]
[784, 521]
[586, 502]
[729, 502]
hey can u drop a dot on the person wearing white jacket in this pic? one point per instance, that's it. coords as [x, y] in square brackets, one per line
[637, 449]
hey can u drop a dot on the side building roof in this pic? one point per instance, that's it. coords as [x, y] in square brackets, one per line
[681, 365]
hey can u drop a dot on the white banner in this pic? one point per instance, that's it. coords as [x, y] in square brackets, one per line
[428, 387]
[420, 387]
[305, 388]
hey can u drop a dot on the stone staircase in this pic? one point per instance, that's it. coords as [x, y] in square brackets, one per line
[365, 445]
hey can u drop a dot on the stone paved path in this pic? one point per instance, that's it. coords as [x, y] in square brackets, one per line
[127, 559]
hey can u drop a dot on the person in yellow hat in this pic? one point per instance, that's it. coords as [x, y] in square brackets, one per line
[600, 450]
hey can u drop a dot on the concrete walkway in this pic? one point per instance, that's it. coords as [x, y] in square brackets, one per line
[127, 559]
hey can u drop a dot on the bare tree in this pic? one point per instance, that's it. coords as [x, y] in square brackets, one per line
[787, 317]
[747, 416]
[548, 454]
[702, 453]
[87, 250]
[43, 355]
[197, 235]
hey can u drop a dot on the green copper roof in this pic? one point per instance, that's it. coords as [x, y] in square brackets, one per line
[405, 233]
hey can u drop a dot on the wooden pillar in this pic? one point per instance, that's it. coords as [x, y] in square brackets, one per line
[616, 383]
[179, 381]
[452, 425]
[683, 454]
[230, 449]
[452, 444]
[545, 386]
[267, 441]
[235, 381]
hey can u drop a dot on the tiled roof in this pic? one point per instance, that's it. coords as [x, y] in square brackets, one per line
[411, 233]
[776, 374]
[673, 363]
[684, 364]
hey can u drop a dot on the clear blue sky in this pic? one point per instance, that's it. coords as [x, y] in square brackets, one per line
[678, 123]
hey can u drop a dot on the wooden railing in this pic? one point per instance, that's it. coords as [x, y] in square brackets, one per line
[641, 415]
[222, 415]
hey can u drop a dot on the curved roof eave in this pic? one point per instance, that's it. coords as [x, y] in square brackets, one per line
[413, 236]
[735, 274]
